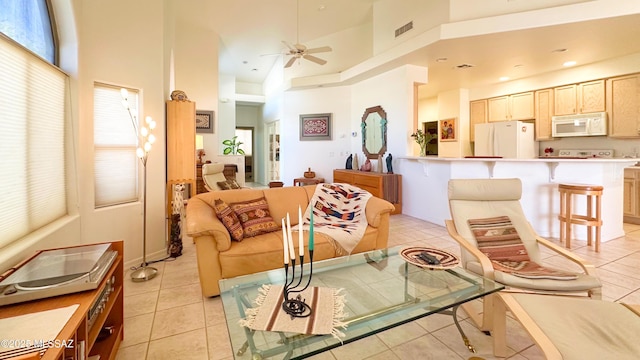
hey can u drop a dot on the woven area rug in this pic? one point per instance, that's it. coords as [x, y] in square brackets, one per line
[339, 211]
[325, 319]
[498, 239]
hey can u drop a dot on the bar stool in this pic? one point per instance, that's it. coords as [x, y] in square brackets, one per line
[567, 217]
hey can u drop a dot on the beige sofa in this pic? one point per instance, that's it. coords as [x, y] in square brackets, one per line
[221, 258]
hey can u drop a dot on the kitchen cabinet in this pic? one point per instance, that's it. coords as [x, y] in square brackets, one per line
[543, 112]
[511, 107]
[477, 115]
[580, 98]
[631, 199]
[623, 106]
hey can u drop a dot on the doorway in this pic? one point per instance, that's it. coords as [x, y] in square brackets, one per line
[245, 135]
[273, 156]
[431, 127]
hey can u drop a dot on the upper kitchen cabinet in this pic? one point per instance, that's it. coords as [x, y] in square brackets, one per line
[544, 112]
[511, 107]
[477, 115]
[583, 98]
[623, 105]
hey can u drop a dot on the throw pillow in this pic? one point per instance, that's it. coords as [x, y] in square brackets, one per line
[229, 219]
[255, 217]
[228, 184]
[499, 240]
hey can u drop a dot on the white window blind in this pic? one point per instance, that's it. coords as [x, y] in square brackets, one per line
[116, 163]
[32, 148]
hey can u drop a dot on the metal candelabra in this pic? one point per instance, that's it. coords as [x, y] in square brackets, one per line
[295, 305]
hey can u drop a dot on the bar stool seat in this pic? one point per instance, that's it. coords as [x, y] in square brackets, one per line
[567, 216]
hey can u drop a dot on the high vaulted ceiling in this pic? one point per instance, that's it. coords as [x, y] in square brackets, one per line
[251, 34]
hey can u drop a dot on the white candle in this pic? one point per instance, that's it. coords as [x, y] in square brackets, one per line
[285, 243]
[300, 242]
[290, 239]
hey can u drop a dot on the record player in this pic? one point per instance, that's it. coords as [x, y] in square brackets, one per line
[57, 272]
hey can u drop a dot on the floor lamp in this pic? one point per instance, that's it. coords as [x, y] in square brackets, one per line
[143, 272]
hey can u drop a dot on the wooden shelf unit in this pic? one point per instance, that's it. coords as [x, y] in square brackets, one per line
[378, 184]
[76, 328]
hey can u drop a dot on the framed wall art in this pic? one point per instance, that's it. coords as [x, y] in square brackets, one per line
[204, 121]
[315, 127]
[448, 129]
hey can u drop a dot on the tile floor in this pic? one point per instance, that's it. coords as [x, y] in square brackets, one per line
[167, 317]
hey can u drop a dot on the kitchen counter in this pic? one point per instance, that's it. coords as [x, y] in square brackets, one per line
[425, 182]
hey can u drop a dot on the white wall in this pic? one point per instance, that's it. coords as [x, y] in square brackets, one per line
[322, 156]
[473, 9]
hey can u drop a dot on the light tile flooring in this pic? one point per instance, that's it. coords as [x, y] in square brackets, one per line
[167, 317]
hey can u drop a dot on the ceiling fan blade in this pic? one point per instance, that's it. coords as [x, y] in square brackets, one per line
[319, 50]
[290, 62]
[316, 60]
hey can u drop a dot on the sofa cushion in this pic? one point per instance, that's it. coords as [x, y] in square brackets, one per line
[228, 185]
[255, 217]
[229, 219]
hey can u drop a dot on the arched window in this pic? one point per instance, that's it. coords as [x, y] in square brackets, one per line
[30, 23]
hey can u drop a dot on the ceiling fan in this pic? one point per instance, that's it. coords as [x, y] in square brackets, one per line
[299, 51]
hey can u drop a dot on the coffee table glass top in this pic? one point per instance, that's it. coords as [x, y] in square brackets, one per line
[381, 290]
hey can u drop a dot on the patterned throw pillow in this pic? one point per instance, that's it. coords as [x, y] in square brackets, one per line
[255, 217]
[229, 219]
[228, 185]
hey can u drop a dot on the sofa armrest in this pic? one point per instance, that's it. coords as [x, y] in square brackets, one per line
[375, 208]
[202, 221]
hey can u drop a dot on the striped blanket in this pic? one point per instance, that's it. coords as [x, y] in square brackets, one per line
[339, 211]
[498, 239]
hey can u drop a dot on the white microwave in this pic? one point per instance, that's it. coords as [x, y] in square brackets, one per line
[593, 124]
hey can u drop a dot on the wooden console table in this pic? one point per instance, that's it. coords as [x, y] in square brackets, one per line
[77, 340]
[384, 186]
[307, 181]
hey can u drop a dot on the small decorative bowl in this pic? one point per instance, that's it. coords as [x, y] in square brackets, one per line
[309, 174]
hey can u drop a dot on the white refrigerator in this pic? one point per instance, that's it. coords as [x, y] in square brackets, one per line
[508, 139]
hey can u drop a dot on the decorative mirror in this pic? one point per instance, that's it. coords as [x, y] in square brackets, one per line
[374, 132]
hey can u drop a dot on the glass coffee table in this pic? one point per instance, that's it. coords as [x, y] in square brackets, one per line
[382, 291]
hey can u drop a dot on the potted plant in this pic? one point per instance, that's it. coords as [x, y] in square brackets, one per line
[233, 146]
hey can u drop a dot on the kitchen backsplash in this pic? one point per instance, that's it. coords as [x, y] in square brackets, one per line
[621, 147]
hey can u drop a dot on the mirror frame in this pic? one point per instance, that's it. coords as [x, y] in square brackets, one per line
[383, 114]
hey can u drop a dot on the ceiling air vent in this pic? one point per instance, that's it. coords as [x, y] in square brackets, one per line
[464, 66]
[404, 28]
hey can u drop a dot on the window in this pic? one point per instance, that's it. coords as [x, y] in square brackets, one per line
[29, 23]
[32, 142]
[115, 139]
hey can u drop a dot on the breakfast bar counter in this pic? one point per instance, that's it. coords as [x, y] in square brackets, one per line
[425, 181]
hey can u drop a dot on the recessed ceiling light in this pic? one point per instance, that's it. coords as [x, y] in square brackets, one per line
[504, 78]
[442, 59]
[561, 50]
[254, 69]
[518, 65]
[321, 7]
[245, 62]
[569, 63]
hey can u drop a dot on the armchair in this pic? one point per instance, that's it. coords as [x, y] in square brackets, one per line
[212, 174]
[485, 198]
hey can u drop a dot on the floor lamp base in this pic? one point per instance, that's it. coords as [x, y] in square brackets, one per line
[144, 273]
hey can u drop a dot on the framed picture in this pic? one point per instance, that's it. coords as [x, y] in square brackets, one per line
[448, 130]
[315, 127]
[204, 121]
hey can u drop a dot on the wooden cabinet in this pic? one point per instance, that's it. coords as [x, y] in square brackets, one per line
[384, 186]
[477, 115]
[78, 337]
[181, 140]
[631, 191]
[623, 105]
[585, 97]
[511, 107]
[543, 113]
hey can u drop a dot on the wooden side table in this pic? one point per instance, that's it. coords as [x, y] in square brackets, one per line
[307, 181]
